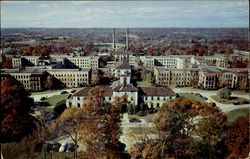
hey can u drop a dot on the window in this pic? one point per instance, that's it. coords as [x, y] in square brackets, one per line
[78, 105]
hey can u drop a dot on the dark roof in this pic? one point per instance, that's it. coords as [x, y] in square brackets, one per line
[156, 91]
[125, 88]
[84, 92]
[122, 65]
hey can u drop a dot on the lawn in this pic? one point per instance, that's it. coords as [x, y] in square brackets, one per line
[144, 84]
[192, 96]
[234, 114]
[228, 101]
[55, 99]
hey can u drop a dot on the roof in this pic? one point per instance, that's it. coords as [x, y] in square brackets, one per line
[122, 65]
[156, 91]
[84, 92]
[69, 70]
[125, 88]
[26, 70]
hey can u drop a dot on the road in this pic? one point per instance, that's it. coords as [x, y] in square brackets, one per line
[208, 94]
[38, 96]
[130, 139]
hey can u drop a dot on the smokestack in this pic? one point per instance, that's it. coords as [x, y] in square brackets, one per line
[114, 38]
[127, 40]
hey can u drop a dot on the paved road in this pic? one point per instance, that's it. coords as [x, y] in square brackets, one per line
[38, 96]
[208, 94]
[130, 139]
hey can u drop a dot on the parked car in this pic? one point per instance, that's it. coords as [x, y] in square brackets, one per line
[64, 92]
[236, 103]
[134, 120]
[43, 98]
[245, 102]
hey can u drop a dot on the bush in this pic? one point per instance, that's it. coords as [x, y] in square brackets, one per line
[64, 92]
[225, 93]
[130, 109]
[141, 113]
[59, 108]
[43, 98]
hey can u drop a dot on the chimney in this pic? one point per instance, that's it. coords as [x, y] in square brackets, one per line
[114, 38]
[127, 40]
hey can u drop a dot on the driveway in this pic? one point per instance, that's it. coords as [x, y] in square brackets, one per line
[129, 138]
[38, 96]
[208, 94]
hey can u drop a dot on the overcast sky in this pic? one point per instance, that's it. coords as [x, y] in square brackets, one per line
[87, 14]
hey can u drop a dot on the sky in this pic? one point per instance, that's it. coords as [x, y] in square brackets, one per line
[122, 14]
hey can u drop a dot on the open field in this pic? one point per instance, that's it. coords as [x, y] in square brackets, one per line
[191, 96]
[234, 114]
[144, 84]
[55, 99]
[228, 101]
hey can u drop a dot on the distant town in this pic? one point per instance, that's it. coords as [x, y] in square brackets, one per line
[144, 70]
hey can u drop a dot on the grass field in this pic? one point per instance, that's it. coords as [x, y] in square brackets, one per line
[234, 114]
[227, 101]
[144, 84]
[55, 99]
[191, 96]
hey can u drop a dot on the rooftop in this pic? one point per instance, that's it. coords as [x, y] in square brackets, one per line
[85, 91]
[156, 91]
[125, 88]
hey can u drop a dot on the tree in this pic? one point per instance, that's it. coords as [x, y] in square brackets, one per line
[95, 79]
[49, 83]
[130, 108]
[243, 84]
[59, 108]
[151, 78]
[187, 129]
[70, 123]
[15, 119]
[237, 138]
[225, 93]
[101, 129]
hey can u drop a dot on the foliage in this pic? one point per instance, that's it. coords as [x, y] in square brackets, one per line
[225, 93]
[101, 129]
[70, 123]
[95, 79]
[237, 139]
[234, 114]
[186, 129]
[59, 108]
[16, 121]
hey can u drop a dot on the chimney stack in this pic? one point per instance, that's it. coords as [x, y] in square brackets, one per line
[127, 39]
[114, 38]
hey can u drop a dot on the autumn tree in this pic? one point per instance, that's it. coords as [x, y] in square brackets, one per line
[6, 62]
[15, 119]
[237, 139]
[187, 129]
[95, 79]
[151, 78]
[101, 129]
[244, 84]
[52, 83]
[70, 123]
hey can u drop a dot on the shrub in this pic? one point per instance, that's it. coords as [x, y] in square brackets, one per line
[225, 93]
[141, 113]
[59, 108]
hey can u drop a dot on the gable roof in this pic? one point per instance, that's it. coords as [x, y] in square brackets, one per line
[156, 91]
[84, 92]
[122, 65]
[125, 88]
